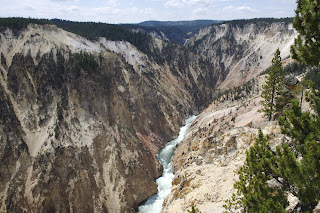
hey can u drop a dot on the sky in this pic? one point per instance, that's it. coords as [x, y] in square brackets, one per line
[135, 11]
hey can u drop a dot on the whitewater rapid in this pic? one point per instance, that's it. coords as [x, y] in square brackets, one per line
[154, 203]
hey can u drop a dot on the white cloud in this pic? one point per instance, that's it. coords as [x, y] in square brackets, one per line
[174, 4]
[288, 1]
[74, 9]
[118, 15]
[28, 7]
[246, 9]
[199, 12]
[135, 14]
[243, 9]
[113, 3]
[190, 3]
[64, 0]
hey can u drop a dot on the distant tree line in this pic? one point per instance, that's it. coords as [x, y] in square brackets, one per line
[19, 23]
[173, 33]
[89, 30]
[265, 21]
[94, 31]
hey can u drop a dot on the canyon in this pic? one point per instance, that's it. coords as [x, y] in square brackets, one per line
[82, 120]
[214, 149]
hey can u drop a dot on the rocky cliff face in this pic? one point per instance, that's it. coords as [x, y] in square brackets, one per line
[79, 130]
[242, 50]
[81, 121]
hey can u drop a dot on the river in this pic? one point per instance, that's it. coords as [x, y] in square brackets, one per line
[154, 203]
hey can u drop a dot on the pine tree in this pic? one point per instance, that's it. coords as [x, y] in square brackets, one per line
[306, 46]
[274, 83]
[254, 193]
[304, 129]
[194, 210]
[295, 167]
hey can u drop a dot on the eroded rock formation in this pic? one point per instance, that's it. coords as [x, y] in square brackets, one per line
[74, 138]
[81, 121]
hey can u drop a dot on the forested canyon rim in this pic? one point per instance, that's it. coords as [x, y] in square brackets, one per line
[74, 131]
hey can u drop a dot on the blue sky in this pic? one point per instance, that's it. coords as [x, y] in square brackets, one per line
[134, 11]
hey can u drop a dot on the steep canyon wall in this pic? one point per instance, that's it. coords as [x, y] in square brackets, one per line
[81, 121]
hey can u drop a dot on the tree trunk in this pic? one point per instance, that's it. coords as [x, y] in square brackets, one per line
[272, 99]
